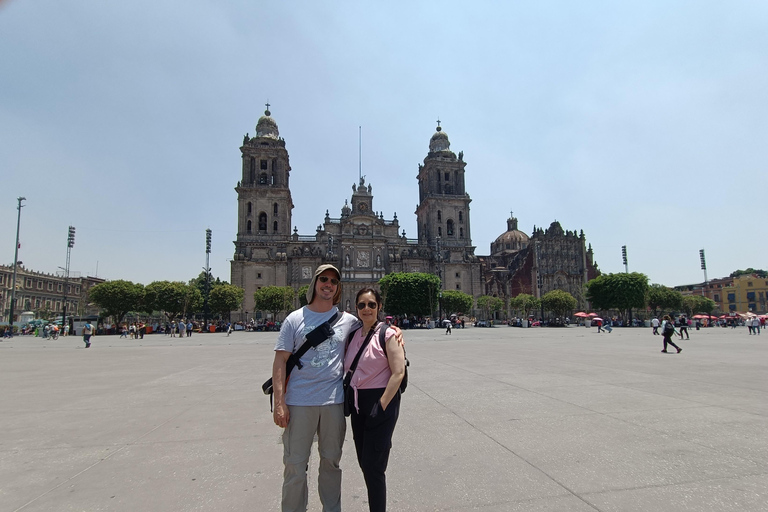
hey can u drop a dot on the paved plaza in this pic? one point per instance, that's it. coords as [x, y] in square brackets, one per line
[494, 419]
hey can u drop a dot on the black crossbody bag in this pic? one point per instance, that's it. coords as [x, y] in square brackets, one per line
[318, 335]
[349, 395]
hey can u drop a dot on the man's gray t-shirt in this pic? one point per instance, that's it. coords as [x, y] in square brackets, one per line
[319, 381]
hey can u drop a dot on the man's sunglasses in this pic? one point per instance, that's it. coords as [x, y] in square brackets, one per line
[324, 279]
[371, 305]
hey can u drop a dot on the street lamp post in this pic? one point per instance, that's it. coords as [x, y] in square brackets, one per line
[15, 263]
[207, 270]
[624, 258]
[70, 244]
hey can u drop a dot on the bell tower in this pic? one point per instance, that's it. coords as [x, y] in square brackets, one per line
[443, 209]
[264, 207]
[263, 192]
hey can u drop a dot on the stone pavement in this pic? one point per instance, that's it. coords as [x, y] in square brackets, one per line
[501, 419]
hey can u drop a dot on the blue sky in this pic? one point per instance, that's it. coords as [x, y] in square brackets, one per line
[642, 123]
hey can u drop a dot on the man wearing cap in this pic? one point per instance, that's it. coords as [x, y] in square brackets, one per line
[312, 402]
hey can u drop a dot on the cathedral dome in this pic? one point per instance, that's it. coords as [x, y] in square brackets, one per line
[267, 127]
[439, 141]
[512, 240]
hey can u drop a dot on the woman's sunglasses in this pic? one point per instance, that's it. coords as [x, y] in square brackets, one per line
[324, 279]
[371, 305]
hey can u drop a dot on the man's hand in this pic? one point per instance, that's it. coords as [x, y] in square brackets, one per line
[281, 415]
[398, 335]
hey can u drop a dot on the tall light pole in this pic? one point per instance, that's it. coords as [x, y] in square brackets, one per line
[15, 263]
[207, 270]
[704, 268]
[70, 245]
[624, 258]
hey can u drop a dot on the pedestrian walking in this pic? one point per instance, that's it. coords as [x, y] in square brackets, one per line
[667, 331]
[684, 327]
[87, 333]
[655, 324]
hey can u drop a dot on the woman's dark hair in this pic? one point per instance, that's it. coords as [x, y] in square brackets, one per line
[375, 293]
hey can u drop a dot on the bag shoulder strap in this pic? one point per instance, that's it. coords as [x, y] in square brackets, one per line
[307, 344]
[383, 343]
[367, 340]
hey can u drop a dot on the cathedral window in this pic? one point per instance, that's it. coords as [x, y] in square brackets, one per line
[274, 227]
[274, 209]
[264, 165]
[461, 217]
[248, 228]
[250, 207]
[262, 221]
[253, 169]
[447, 176]
[439, 231]
[263, 178]
[458, 275]
[458, 286]
[461, 232]
[449, 227]
[439, 215]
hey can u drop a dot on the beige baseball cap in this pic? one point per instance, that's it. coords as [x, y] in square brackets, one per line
[311, 289]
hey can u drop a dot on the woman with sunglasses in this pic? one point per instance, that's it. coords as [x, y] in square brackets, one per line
[375, 384]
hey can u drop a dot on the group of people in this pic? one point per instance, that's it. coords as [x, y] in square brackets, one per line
[311, 402]
[134, 331]
[754, 324]
[183, 328]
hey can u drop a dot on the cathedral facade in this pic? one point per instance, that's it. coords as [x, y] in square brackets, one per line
[365, 246]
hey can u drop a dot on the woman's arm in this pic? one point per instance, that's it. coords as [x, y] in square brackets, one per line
[396, 357]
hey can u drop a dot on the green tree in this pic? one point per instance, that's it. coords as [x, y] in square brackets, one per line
[410, 293]
[225, 298]
[455, 301]
[560, 302]
[749, 271]
[618, 291]
[489, 305]
[692, 304]
[303, 295]
[525, 303]
[664, 298]
[117, 298]
[199, 282]
[44, 312]
[174, 298]
[274, 299]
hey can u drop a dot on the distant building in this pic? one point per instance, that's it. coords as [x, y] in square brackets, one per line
[365, 246]
[713, 289]
[550, 259]
[37, 291]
